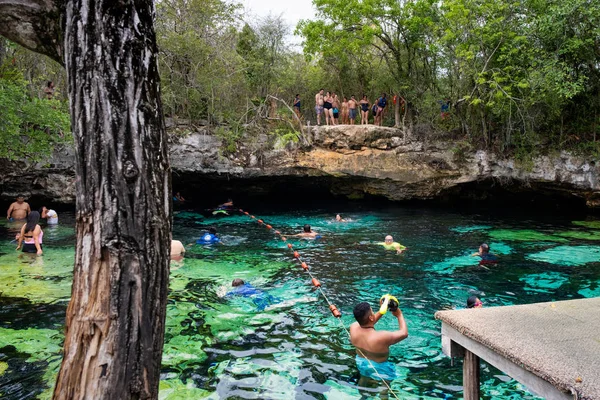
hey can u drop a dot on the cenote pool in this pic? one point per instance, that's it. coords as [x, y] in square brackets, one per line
[226, 347]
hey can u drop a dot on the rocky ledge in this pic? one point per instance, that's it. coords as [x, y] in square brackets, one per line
[351, 161]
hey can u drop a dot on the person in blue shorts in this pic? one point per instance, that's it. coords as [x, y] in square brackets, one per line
[373, 347]
[259, 298]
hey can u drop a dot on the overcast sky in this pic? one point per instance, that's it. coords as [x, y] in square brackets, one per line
[292, 11]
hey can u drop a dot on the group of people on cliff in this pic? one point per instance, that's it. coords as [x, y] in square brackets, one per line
[329, 105]
[30, 236]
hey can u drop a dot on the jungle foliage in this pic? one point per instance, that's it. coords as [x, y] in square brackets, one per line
[522, 76]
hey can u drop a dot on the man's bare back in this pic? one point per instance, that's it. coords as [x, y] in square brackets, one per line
[371, 344]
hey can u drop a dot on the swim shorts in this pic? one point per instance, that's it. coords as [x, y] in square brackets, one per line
[319, 109]
[352, 113]
[386, 369]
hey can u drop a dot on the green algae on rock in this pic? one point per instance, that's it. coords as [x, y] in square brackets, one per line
[568, 255]
[524, 235]
[470, 228]
[588, 224]
[174, 389]
[580, 235]
[39, 344]
[545, 282]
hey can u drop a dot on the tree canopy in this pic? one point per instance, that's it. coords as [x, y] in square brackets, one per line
[519, 76]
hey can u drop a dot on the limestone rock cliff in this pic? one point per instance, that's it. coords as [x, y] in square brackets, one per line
[351, 160]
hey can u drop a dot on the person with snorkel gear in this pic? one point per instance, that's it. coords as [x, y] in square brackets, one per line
[373, 347]
[389, 244]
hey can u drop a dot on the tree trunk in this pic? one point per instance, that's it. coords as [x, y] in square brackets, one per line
[397, 111]
[115, 320]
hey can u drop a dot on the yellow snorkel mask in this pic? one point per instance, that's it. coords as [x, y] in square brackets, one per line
[386, 302]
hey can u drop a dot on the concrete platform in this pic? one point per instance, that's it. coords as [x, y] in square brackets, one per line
[551, 348]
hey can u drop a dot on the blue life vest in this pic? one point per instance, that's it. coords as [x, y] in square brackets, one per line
[382, 102]
[208, 238]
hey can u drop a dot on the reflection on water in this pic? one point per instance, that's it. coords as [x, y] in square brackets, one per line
[221, 346]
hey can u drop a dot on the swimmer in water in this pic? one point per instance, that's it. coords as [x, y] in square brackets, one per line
[18, 210]
[375, 345]
[259, 298]
[486, 256]
[308, 233]
[474, 302]
[227, 205]
[389, 244]
[339, 218]
[209, 237]
[177, 250]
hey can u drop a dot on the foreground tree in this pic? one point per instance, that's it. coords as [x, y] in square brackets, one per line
[115, 320]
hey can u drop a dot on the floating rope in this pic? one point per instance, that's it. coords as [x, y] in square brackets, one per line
[315, 282]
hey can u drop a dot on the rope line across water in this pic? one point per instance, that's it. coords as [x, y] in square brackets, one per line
[334, 310]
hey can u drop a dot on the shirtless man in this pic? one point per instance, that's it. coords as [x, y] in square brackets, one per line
[18, 210]
[375, 345]
[319, 105]
[352, 109]
[344, 111]
[308, 233]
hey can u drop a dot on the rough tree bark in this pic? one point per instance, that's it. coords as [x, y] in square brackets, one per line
[115, 319]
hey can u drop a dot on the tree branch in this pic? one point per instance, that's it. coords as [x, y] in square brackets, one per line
[34, 24]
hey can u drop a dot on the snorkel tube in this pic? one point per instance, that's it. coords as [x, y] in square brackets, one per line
[387, 302]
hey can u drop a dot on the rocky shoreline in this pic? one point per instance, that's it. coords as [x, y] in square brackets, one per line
[351, 161]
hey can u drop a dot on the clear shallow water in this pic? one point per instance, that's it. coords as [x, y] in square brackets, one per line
[222, 347]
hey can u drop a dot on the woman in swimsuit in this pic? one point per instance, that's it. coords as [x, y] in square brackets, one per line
[364, 110]
[31, 235]
[327, 108]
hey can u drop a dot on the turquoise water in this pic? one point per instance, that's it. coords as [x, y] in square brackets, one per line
[224, 347]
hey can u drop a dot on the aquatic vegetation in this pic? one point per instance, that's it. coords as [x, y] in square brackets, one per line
[500, 248]
[174, 389]
[545, 282]
[470, 228]
[449, 265]
[219, 346]
[580, 235]
[588, 224]
[587, 292]
[568, 255]
[39, 344]
[526, 235]
[3, 367]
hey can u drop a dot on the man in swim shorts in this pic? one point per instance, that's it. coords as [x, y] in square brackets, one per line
[389, 244]
[373, 347]
[352, 109]
[18, 210]
[319, 105]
